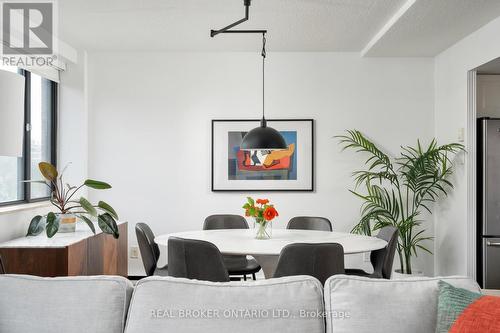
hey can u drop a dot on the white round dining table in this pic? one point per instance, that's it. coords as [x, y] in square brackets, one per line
[266, 252]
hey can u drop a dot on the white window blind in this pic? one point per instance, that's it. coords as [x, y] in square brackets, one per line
[11, 113]
[48, 72]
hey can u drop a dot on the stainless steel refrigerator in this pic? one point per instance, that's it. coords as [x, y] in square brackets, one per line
[488, 204]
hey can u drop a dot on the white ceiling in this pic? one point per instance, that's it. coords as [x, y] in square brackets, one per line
[431, 26]
[425, 28]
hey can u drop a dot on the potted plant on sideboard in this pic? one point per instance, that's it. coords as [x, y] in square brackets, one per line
[398, 190]
[70, 209]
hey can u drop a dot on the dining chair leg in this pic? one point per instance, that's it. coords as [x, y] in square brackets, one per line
[253, 276]
[244, 277]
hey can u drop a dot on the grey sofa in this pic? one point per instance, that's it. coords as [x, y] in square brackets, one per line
[164, 304]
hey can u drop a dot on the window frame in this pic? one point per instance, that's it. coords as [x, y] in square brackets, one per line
[26, 158]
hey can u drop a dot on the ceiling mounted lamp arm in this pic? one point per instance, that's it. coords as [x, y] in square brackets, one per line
[227, 30]
[262, 137]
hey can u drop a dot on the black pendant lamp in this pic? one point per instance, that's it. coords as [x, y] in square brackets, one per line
[262, 137]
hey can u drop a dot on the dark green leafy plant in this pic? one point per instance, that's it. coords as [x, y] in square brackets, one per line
[62, 197]
[397, 190]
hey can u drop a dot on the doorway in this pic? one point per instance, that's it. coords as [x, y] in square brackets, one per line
[483, 110]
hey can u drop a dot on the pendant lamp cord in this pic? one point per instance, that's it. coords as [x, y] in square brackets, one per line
[263, 72]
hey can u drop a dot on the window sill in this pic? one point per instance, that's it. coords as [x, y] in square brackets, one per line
[25, 206]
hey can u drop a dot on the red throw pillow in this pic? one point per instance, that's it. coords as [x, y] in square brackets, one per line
[482, 316]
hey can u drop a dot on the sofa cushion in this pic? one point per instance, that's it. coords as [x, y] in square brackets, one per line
[451, 304]
[359, 304]
[95, 304]
[167, 304]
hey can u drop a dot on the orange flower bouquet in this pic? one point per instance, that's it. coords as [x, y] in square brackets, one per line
[263, 213]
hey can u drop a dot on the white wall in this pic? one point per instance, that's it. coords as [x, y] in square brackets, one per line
[149, 127]
[488, 96]
[451, 67]
[73, 121]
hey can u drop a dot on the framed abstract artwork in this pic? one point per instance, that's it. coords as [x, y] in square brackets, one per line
[291, 169]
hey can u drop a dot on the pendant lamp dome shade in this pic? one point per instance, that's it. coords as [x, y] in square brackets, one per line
[263, 138]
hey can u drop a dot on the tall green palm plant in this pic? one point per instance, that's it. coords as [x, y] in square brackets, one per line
[399, 189]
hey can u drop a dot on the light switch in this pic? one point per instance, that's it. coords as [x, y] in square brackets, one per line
[461, 134]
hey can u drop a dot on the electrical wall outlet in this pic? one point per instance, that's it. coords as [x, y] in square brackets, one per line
[134, 252]
[366, 257]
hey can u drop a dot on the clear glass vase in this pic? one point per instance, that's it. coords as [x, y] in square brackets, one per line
[67, 222]
[263, 229]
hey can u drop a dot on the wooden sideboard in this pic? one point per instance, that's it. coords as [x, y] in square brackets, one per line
[68, 254]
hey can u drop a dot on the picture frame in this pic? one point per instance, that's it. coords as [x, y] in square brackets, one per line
[235, 170]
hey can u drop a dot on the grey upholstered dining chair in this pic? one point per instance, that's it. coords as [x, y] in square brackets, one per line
[382, 259]
[2, 268]
[225, 221]
[310, 223]
[195, 259]
[236, 265]
[150, 252]
[320, 260]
